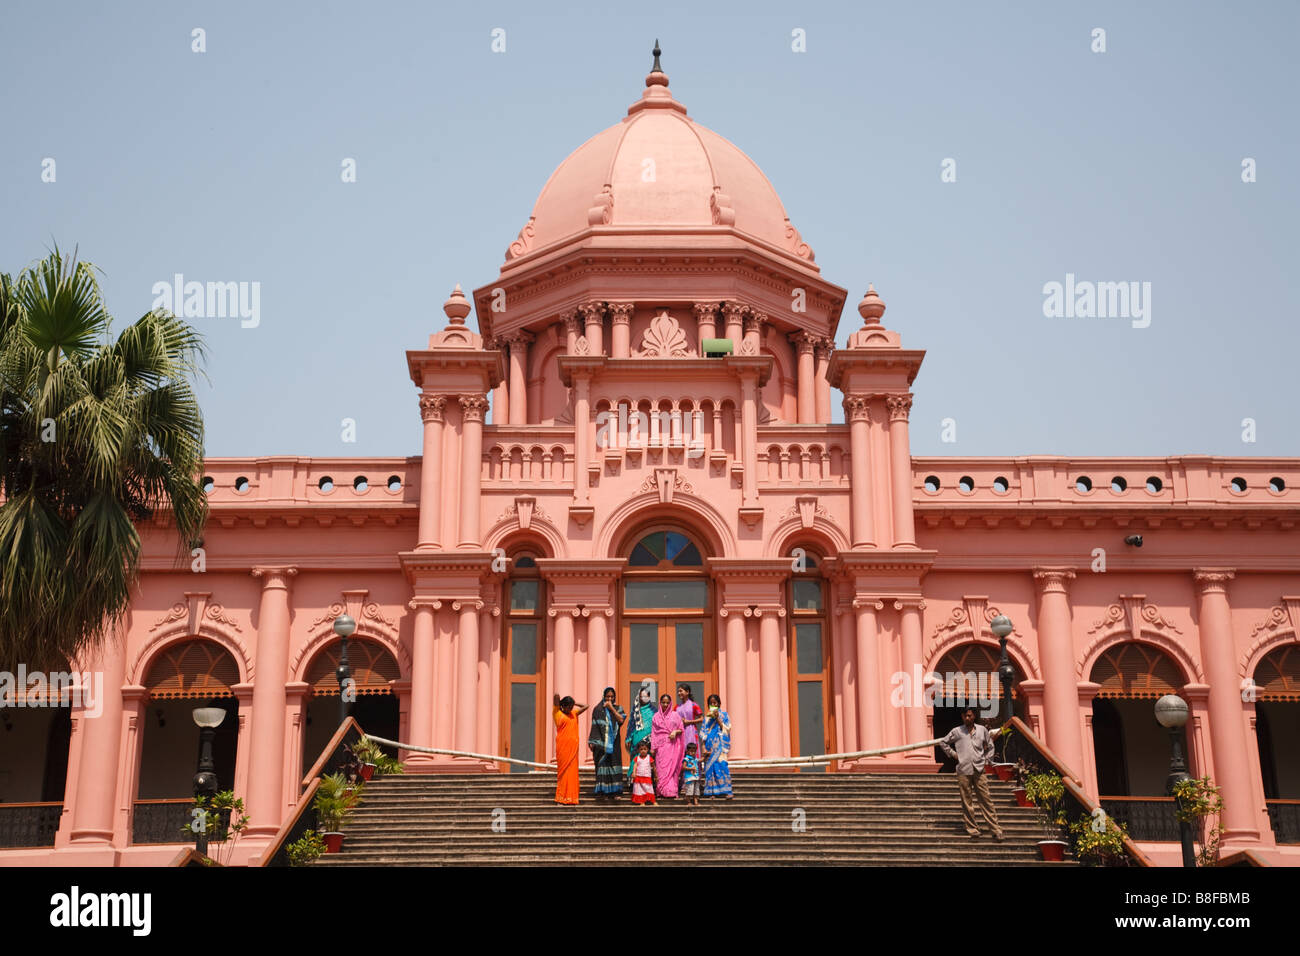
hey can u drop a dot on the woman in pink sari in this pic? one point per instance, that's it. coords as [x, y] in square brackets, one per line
[668, 744]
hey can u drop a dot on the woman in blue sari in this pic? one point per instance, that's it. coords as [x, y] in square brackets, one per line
[715, 733]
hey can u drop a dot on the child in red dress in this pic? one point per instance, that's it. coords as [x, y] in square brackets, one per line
[643, 783]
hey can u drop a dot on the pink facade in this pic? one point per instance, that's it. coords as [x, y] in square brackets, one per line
[609, 426]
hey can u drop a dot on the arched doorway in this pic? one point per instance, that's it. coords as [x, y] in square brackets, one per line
[192, 674]
[1131, 750]
[667, 631]
[1277, 731]
[811, 727]
[969, 675]
[376, 707]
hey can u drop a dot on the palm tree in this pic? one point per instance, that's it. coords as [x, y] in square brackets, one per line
[96, 435]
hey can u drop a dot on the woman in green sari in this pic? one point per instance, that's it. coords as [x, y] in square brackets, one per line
[640, 718]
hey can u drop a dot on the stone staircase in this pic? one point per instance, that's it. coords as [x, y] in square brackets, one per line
[848, 819]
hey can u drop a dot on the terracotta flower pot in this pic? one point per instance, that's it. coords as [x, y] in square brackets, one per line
[333, 841]
[367, 771]
[1004, 771]
[1053, 851]
[988, 769]
[1021, 799]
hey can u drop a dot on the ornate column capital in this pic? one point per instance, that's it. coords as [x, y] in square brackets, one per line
[734, 311]
[1212, 580]
[472, 407]
[754, 321]
[805, 342]
[909, 603]
[419, 601]
[899, 407]
[857, 408]
[1053, 580]
[570, 319]
[705, 310]
[620, 313]
[474, 605]
[873, 604]
[823, 348]
[431, 407]
[592, 311]
[517, 337]
[275, 578]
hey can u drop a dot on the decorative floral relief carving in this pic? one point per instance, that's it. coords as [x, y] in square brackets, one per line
[373, 612]
[525, 240]
[651, 483]
[333, 611]
[1277, 617]
[1113, 614]
[217, 613]
[797, 245]
[602, 213]
[177, 612]
[664, 339]
[720, 206]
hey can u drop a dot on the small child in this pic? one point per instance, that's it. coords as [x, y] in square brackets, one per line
[643, 783]
[691, 776]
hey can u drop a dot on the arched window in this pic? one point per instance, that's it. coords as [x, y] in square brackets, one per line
[663, 550]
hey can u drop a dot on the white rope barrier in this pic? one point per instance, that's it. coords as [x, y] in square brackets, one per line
[733, 764]
[458, 753]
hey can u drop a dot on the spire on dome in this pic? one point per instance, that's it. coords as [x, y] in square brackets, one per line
[657, 75]
[656, 51]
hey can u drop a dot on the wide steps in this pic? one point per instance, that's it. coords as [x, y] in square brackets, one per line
[846, 819]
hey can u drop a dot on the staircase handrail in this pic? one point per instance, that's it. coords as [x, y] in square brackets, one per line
[302, 818]
[1073, 785]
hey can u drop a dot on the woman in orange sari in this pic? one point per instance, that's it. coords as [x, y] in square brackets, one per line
[566, 714]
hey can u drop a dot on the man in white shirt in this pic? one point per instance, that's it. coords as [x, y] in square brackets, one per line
[971, 746]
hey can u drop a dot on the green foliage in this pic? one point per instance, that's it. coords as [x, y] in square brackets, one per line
[305, 849]
[96, 435]
[222, 818]
[367, 751]
[334, 802]
[1099, 840]
[1197, 801]
[1046, 791]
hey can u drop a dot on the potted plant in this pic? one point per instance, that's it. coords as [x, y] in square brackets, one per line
[1022, 770]
[1046, 791]
[367, 752]
[305, 849]
[1197, 801]
[223, 819]
[1003, 769]
[334, 803]
[1099, 840]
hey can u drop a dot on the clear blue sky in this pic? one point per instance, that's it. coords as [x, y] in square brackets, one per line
[1115, 167]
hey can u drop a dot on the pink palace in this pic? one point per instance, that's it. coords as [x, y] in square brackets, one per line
[660, 492]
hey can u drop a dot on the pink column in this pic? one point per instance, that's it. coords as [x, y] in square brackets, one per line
[564, 654]
[900, 468]
[620, 332]
[581, 447]
[769, 655]
[735, 314]
[444, 694]
[471, 464]
[803, 343]
[518, 376]
[857, 411]
[754, 323]
[593, 315]
[1227, 730]
[870, 728]
[571, 331]
[266, 781]
[749, 458]
[598, 677]
[423, 656]
[1056, 653]
[430, 534]
[486, 693]
[845, 689]
[101, 742]
[466, 672]
[912, 664]
[706, 315]
[737, 705]
[822, 351]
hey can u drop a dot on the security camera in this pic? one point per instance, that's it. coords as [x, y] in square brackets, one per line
[1134, 539]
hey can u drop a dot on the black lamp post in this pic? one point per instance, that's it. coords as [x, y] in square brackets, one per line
[208, 720]
[343, 627]
[1171, 713]
[1002, 628]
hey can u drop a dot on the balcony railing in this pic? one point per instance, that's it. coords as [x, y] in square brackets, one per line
[28, 824]
[1149, 819]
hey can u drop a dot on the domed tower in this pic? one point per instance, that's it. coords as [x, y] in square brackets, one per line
[655, 245]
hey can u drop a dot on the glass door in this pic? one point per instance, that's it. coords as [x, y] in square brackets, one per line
[523, 667]
[670, 651]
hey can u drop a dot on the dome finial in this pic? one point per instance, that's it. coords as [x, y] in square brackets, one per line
[656, 51]
[657, 75]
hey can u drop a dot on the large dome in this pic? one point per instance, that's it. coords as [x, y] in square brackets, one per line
[658, 172]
